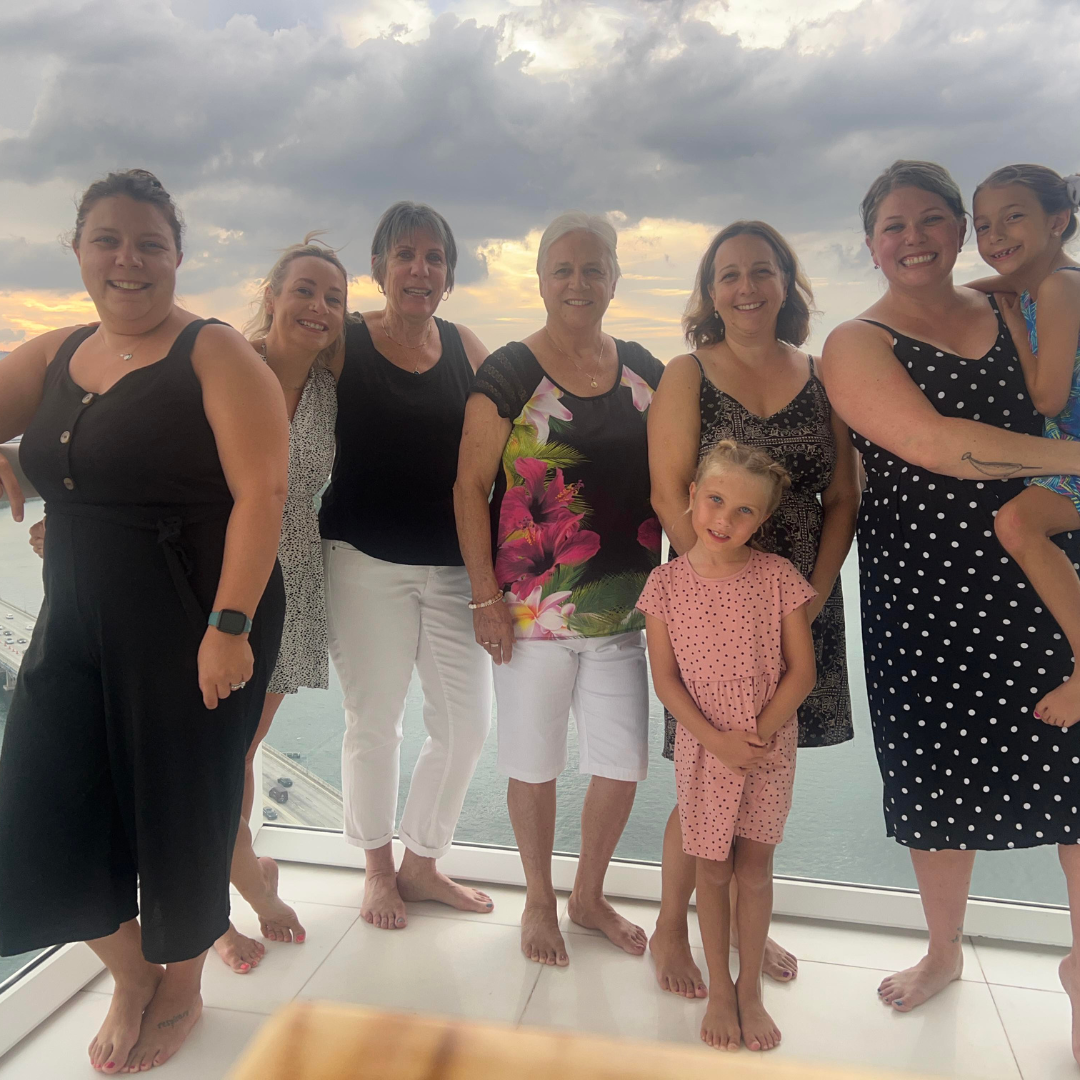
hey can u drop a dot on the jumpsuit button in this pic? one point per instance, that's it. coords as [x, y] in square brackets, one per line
[87, 399]
[69, 483]
[65, 437]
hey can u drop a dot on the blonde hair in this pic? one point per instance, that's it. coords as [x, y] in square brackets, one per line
[258, 326]
[702, 324]
[728, 454]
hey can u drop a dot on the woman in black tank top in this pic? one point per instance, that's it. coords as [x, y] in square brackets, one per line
[123, 761]
[397, 593]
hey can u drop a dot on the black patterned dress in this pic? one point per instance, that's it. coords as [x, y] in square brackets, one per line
[800, 437]
[958, 646]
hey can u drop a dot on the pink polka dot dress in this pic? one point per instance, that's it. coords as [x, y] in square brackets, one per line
[726, 637]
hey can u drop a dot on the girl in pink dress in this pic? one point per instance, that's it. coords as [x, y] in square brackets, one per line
[732, 659]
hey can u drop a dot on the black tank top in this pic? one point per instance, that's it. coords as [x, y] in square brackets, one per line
[392, 491]
[144, 443]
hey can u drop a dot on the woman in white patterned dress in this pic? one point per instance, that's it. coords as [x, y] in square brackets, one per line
[299, 331]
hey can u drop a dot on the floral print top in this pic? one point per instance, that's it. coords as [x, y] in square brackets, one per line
[573, 531]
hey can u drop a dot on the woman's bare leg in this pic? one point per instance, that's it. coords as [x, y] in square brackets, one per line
[720, 1027]
[173, 1011]
[136, 983]
[676, 971]
[1024, 526]
[944, 880]
[1069, 969]
[256, 879]
[754, 871]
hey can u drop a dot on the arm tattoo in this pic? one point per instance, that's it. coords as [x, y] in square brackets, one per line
[998, 469]
[174, 1019]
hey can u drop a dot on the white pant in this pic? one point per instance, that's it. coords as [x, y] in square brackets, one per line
[603, 681]
[384, 619]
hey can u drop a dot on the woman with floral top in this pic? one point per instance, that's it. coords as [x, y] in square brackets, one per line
[557, 424]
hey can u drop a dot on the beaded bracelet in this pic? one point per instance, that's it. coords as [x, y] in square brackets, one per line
[475, 606]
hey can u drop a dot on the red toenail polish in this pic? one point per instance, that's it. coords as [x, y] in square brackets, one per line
[1038, 716]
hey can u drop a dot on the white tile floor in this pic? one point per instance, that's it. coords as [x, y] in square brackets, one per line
[1007, 1019]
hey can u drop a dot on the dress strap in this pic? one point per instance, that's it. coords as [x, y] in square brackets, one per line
[813, 372]
[1060, 268]
[701, 366]
[63, 355]
[185, 340]
[874, 322]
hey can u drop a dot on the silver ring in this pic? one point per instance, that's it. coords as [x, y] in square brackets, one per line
[237, 686]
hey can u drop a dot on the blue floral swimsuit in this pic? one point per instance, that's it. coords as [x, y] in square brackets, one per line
[1066, 425]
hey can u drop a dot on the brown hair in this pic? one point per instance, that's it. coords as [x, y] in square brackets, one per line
[1050, 189]
[701, 323]
[924, 175]
[404, 219]
[728, 454]
[137, 184]
[258, 326]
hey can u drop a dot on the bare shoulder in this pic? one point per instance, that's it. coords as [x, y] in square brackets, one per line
[681, 372]
[44, 347]
[222, 356]
[1060, 288]
[475, 349]
[854, 333]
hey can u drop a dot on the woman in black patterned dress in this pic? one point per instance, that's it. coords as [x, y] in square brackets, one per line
[748, 381]
[957, 644]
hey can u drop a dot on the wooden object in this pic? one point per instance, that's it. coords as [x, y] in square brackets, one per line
[319, 1041]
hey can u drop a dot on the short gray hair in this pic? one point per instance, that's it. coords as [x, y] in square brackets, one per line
[575, 221]
[406, 219]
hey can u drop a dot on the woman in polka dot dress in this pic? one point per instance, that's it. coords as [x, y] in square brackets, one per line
[732, 659]
[956, 641]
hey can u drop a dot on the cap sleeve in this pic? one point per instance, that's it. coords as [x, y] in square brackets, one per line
[509, 376]
[654, 597]
[795, 590]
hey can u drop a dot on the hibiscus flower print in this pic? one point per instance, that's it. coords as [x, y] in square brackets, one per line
[640, 390]
[536, 502]
[544, 406]
[649, 535]
[530, 559]
[538, 619]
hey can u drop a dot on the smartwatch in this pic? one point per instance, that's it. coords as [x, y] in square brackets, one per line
[230, 622]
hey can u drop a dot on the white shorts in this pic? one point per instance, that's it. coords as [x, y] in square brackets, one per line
[603, 681]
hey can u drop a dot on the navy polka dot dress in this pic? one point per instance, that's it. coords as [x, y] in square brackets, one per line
[958, 645]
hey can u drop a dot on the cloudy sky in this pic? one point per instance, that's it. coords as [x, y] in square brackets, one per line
[672, 116]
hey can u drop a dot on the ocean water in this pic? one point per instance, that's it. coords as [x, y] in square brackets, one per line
[835, 831]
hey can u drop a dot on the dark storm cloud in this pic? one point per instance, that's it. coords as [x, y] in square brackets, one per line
[270, 134]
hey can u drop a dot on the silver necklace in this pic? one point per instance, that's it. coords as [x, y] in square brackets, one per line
[573, 360]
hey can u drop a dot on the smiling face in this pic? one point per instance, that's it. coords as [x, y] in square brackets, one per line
[576, 282]
[128, 258]
[728, 507]
[748, 285]
[415, 276]
[309, 312]
[1012, 228]
[916, 238]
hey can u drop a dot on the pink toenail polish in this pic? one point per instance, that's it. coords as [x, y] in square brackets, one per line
[245, 967]
[301, 937]
[1038, 716]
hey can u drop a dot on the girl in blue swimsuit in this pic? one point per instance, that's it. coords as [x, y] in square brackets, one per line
[1024, 215]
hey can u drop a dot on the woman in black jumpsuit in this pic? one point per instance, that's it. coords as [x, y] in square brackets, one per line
[122, 768]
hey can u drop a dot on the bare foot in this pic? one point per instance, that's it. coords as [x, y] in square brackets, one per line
[1061, 707]
[1069, 973]
[676, 971]
[167, 1022]
[111, 1047]
[759, 1031]
[600, 915]
[541, 940]
[720, 1028]
[382, 905]
[779, 964]
[238, 951]
[277, 920]
[415, 885]
[909, 988]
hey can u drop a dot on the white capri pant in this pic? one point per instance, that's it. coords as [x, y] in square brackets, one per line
[603, 681]
[384, 619]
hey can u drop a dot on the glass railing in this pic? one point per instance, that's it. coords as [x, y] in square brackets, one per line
[20, 600]
[835, 831]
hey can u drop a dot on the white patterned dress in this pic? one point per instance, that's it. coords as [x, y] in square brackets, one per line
[303, 659]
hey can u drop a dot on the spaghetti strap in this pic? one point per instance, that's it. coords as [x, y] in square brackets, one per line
[701, 366]
[810, 360]
[1060, 268]
[874, 322]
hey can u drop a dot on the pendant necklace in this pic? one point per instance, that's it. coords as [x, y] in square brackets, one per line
[401, 344]
[573, 360]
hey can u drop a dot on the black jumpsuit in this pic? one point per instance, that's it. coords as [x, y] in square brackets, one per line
[113, 771]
